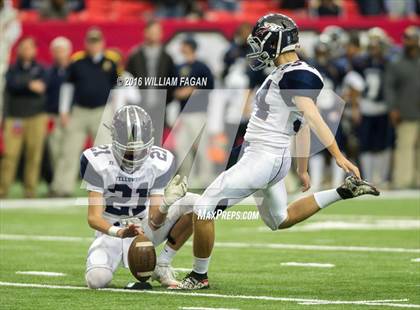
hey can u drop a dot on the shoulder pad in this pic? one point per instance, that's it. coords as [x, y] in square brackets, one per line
[78, 56]
[112, 55]
[164, 164]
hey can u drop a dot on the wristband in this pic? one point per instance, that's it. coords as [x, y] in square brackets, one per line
[113, 231]
[163, 208]
[156, 225]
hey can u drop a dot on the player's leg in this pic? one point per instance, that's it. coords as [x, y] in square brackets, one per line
[305, 207]
[104, 256]
[316, 170]
[176, 231]
[35, 133]
[67, 166]
[252, 172]
[13, 138]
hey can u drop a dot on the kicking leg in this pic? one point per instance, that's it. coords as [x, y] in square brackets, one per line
[303, 208]
[238, 182]
[176, 231]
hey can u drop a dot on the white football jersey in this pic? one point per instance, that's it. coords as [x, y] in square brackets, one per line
[125, 194]
[275, 118]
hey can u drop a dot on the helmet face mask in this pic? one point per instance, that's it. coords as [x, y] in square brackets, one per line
[132, 137]
[258, 59]
[272, 35]
[131, 157]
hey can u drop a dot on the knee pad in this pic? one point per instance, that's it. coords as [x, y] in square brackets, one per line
[188, 202]
[274, 221]
[98, 277]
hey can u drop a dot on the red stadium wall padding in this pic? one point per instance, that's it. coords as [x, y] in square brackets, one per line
[125, 35]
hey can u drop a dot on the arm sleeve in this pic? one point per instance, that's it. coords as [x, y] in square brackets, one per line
[17, 83]
[88, 173]
[162, 181]
[66, 96]
[303, 83]
[390, 82]
[210, 79]
[114, 74]
[355, 81]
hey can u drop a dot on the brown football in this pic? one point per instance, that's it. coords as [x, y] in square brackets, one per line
[141, 258]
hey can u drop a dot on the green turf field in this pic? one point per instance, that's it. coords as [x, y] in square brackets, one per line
[372, 244]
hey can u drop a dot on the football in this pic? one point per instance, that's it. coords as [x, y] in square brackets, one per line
[141, 258]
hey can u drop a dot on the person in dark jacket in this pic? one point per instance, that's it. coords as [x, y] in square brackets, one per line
[60, 48]
[402, 96]
[25, 119]
[150, 60]
[91, 76]
[195, 82]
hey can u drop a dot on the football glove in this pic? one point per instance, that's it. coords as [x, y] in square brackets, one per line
[175, 190]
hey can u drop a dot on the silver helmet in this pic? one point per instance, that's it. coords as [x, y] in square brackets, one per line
[132, 137]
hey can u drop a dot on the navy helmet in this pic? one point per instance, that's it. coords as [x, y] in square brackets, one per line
[132, 137]
[272, 35]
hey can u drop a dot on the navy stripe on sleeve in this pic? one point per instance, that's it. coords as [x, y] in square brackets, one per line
[302, 83]
[164, 179]
[89, 174]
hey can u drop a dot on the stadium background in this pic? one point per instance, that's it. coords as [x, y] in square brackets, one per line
[211, 23]
[359, 254]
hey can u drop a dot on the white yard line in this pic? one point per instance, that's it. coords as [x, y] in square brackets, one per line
[182, 269]
[282, 246]
[44, 238]
[82, 201]
[221, 296]
[316, 265]
[416, 260]
[42, 273]
[354, 224]
[206, 308]
[285, 246]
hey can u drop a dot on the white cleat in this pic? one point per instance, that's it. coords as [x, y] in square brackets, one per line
[165, 275]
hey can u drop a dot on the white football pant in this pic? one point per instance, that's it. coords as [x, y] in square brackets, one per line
[260, 170]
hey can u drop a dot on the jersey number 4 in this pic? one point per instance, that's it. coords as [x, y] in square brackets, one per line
[263, 106]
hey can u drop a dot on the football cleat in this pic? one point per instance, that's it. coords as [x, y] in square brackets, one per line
[354, 187]
[192, 282]
[165, 275]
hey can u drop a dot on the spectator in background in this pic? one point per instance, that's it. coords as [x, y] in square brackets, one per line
[398, 8]
[169, 8]
[224, 5]
[325, 8]
[10, 31]
[55, 9]
[151, 60]
[25, 119]
[73, 5]
[193, 103]
[177, 8]
[402, 86]
[371, 7]
[292, 4]
[91, 76]
[61, 49]
[375, 133]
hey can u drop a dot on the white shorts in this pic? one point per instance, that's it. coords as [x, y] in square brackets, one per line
[108, 252]
[259, 170]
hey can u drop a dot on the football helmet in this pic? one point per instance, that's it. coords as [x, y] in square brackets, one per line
[272, 35]
[132, 137]
[377, 37]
